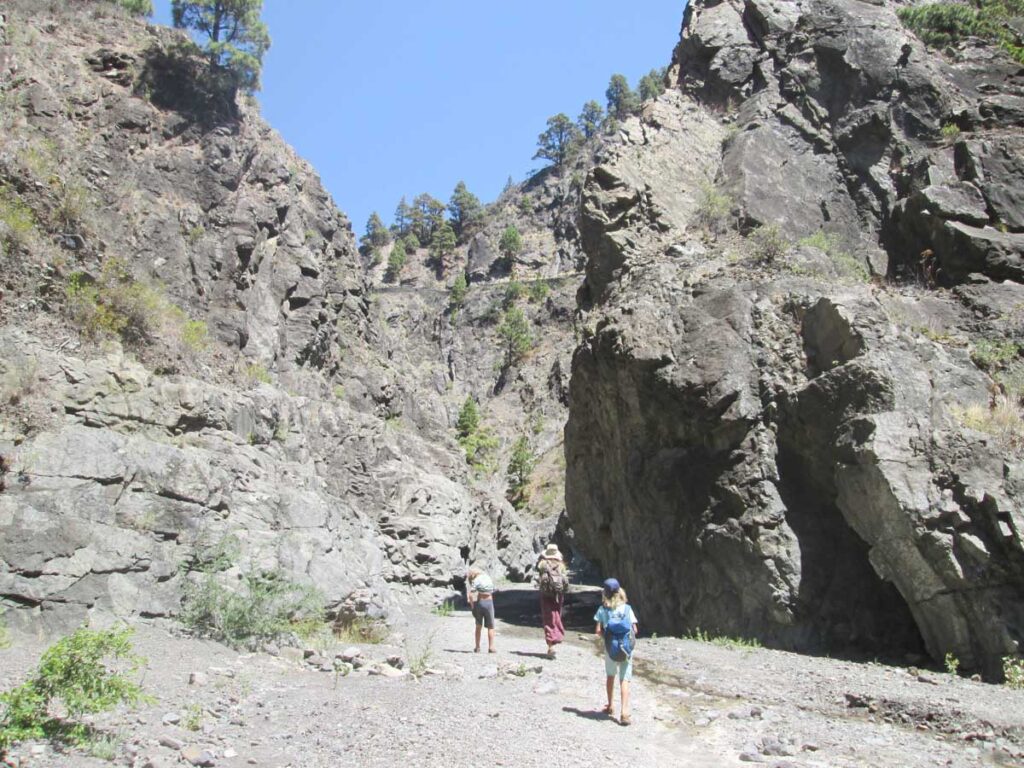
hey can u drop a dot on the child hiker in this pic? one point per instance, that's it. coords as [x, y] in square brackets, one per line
[480, 595]
[617, 623]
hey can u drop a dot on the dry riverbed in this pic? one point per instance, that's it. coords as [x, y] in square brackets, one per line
[695, 704]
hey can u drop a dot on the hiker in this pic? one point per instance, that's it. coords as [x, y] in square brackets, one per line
[480, 594]
[617, 623]
[552, 582]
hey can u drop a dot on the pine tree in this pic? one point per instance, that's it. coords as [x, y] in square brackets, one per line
[469, 418]
[426, 217]
[520, 467]
[377, 235]
[442, 245]
[396, 261]
[515, 334]
[510, 243]
[402, 214]
[558, 141]
[622, 100]
[652, 85]
[459, 290]
[236, 38]
[590, 119]
[465, 208]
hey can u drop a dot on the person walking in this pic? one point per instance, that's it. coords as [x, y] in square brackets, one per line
[480, 595]
[617, 624]
[553, 583]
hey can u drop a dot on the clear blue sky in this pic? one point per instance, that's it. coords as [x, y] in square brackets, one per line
[392, 98]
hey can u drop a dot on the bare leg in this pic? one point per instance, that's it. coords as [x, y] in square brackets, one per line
[490, 640]
[477, 635]
[609, 685]
[624, 687]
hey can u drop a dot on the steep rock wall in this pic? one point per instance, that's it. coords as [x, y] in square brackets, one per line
[761, 441]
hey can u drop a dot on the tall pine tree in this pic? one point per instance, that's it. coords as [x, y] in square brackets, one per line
[236, 38]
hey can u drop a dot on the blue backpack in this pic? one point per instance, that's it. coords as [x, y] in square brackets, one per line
[618, 635]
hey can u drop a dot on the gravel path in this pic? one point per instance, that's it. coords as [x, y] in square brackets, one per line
[695, 704]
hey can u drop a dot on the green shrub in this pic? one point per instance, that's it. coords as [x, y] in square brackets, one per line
[713, 209]
[539, 291]
[266, 607]
[769, 244]
[1013, 671]
[18, 223]
[721, 640]
[195, 234]
[992, 354]
[444, 609]
[75, 674]
[481, 447]
[72, 203]
[195, 335]
[102, 747]
[952, 664]
[137, 7]
[945, 23]
[514, 291]
[360, 629]
[849, 266]
[950, 131]
[258, 372]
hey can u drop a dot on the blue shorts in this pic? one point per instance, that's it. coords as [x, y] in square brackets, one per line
[624, 669]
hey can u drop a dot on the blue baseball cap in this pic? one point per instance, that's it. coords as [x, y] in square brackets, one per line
[611, 586]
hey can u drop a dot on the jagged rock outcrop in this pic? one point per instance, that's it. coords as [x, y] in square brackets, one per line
[761, 441]
[277, 425]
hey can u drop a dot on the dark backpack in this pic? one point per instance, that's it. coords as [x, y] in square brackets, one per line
[618, 636]
[552, 581]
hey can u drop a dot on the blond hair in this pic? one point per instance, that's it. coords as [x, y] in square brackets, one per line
[619, 598]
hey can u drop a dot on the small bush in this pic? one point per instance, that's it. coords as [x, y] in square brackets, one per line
[1013, 671]
[1003, 419]
[19, 379]
[420, 658]
[76, 673]
[993, 354]
[946, 23]
[520, 467]
[102, 747]
[17, 224]
[361, 629]
[258, 372]
[266, 607]
[5, 635]
[195, 335]
[952, 664]
[769, 244]
[195, 234]
[713, 209]
[459, 290]
[514, 291]
[725, 642]
[72, 203]
[481, 447]
[539, 291]
[444, 609]
[849, 266]
[950, 132]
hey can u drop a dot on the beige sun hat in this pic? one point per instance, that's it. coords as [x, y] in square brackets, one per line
[551, 552]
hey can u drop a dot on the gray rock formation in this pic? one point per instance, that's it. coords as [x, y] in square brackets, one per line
[761, 441]
[283, 426]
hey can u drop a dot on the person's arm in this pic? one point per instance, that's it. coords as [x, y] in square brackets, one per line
[597, 629]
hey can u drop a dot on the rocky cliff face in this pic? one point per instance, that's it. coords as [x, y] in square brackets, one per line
[192, 353]
[779, 425]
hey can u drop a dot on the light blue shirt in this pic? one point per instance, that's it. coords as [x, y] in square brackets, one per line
[604, 615]
[482, 583]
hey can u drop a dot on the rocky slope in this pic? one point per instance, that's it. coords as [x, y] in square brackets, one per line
[193, 355]
[779, 421]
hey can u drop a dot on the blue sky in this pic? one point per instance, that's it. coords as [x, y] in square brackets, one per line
[392, 98]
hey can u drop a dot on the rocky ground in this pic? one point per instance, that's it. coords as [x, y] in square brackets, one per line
[695, 703]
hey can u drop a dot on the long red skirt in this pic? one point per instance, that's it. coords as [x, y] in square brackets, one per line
[551, 615]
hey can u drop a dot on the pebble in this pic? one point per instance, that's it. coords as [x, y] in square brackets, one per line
[171, 743]
[198, 756]
[171, 718]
